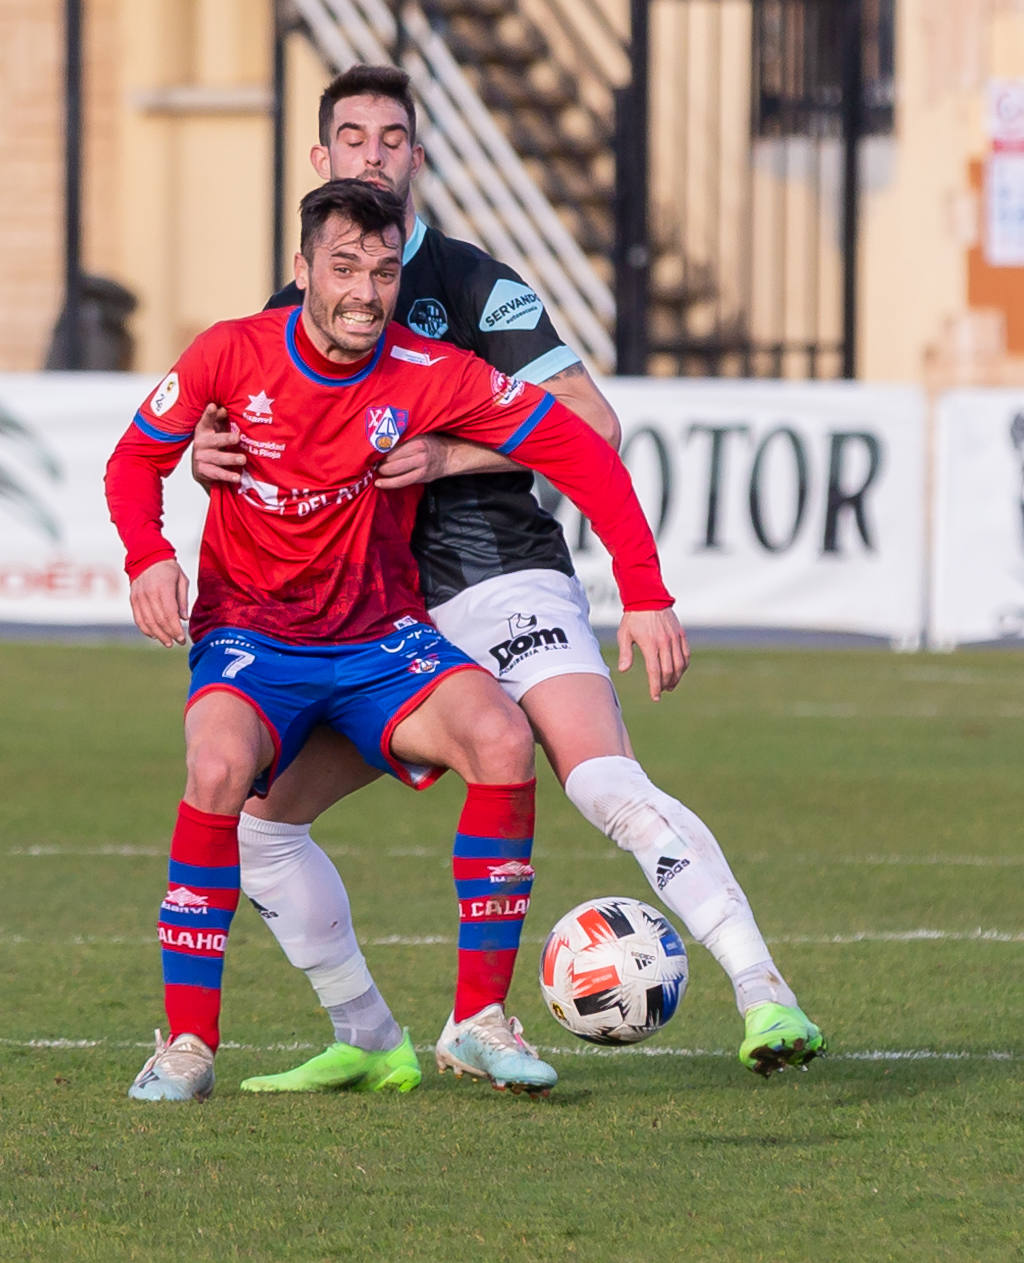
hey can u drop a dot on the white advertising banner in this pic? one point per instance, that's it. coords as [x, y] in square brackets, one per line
[978, 577]
[61, 562]
[776, 505]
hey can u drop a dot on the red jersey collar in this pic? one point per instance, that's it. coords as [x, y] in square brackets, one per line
[318, 365]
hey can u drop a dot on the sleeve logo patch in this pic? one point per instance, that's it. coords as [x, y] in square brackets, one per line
[165, 396]
[504, 389]
[428, 318]
[511, 305]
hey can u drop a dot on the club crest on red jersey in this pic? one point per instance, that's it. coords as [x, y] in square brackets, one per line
[385, 426]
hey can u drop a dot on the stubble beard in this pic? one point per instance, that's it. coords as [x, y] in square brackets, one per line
[400, 188]
[350, 342]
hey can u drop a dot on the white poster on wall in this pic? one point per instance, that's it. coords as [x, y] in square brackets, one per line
[1004, 174]
[776, 505]
[61, 562]
[978, 585]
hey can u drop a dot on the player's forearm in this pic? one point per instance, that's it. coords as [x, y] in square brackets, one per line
[134, 489]
[575, 388]
[464, 457]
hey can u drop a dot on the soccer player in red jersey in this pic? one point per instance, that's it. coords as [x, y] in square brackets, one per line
[492, 562]
[308, 610]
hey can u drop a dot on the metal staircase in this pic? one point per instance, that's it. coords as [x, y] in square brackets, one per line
[550, 72]
[551, 92]
[661, 236]
[508, 187]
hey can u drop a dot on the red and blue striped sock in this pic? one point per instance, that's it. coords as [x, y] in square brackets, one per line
[195, 916]
[493, 880]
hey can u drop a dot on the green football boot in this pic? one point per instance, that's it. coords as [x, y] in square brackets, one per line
[779, 1036]
[345, 1066]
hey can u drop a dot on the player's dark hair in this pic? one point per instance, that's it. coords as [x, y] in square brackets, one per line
[372, 210]
[362, 80]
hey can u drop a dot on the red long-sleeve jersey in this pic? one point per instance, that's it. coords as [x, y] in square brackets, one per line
[307, 549]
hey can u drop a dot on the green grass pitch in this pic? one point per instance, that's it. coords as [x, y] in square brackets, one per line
[869, 803]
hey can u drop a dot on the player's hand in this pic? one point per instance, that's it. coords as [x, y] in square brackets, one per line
[422, 459]
[662, 642]
[216, 456]
[159, 598]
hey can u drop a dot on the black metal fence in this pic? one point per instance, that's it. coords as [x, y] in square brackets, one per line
[736, 215]
[737, 226]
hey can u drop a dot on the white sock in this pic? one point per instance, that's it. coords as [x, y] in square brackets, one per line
[300, 895]
[685, 867]
[365, 1022]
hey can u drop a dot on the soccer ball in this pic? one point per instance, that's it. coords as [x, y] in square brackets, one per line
[613, 971]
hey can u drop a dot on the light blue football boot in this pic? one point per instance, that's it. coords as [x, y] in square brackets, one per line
[179, 1070]
[490, 1045]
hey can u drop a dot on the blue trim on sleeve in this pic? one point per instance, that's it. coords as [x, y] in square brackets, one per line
[547, 365]
[419, 231]
[303, 367]
[528, 426]
[161, 436]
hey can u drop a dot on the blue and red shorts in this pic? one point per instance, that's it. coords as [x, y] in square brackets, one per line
[363, 691]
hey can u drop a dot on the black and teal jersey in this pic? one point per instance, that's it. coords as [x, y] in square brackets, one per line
[476, 526]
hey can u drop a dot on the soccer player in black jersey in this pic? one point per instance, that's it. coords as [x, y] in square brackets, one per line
[498, 580]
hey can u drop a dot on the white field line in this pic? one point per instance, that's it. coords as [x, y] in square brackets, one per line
[796, 709]
[903, 936]
[577, 1050]
[978, 935]
[58, 852]
[853, 710]
[597, 853]
[910, 861]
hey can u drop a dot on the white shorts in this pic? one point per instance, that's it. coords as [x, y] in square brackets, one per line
[524, 628]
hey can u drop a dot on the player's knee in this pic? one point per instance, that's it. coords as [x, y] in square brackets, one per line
[219, 779]
[615, 794]
[502, 746]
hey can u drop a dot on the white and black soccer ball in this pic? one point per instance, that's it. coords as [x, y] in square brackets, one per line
[613, 971]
